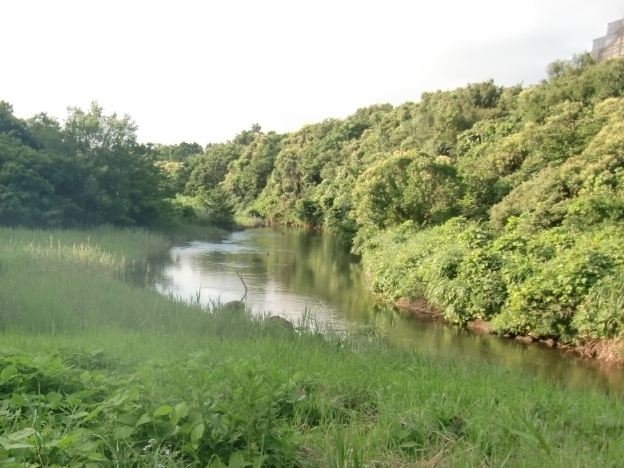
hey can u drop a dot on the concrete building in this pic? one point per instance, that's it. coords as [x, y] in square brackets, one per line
[611, 45]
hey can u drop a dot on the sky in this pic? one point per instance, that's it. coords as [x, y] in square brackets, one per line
[202, 71]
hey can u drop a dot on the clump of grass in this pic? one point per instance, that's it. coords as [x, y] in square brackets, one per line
[246, 221]
[131, 244]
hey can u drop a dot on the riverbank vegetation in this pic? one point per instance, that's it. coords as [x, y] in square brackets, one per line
[94, 372]
[497, 204]
[502, 205]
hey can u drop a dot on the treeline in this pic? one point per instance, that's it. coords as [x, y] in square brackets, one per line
[492, 203]
[88, 171]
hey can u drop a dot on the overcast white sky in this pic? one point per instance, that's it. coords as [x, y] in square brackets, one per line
[204, 70]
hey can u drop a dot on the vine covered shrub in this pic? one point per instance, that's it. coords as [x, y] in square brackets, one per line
[452, 266]
[565, 267]
[600, 314]
[560, 283]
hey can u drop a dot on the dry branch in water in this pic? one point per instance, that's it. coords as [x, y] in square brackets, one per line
[244, 285]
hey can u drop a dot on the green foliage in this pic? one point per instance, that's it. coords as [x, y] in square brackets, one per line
[600, 315]
[451, 266]
[559, 283]
[583, 186]
[209, 169]
[534, 173]
[180, 153]
[546, 301]
[248, 175]
[26, 191]
[406, 187]
[89, 171]
[215, 207]
[206, 208]
[66, 409]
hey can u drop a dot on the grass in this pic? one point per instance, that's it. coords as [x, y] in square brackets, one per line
[94, 372]
[245, 221]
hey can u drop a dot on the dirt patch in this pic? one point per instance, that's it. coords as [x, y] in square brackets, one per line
[610, 350]
[481, 327]
[417, 308]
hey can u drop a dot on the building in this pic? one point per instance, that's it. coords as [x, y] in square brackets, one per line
[611, 45]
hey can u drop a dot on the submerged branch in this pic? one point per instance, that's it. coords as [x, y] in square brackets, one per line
[242, 281]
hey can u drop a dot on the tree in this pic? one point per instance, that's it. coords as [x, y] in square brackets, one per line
[120, 183]
[406, 186]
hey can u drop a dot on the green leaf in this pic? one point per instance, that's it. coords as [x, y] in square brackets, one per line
[532, 435]
[197, 432]
[8, 372]
[93, 414]
[163, 410]
[195, 418]
[216, 463]
[18, 399]
[21, 435]
[409, 444]
[54, 398]
[65, 441]
[128, 420]
[18, 445]
[122, 432]
[181, 410]
[189, 448]
[533, 430]
[143, 420]
[237, 461]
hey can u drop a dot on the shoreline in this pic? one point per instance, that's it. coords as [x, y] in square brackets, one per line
[610, 351]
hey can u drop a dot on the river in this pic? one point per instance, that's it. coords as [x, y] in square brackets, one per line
[292, 272]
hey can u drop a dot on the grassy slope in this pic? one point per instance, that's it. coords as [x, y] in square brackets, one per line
[94, 371]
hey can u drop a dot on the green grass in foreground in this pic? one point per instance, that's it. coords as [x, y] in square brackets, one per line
[96, 373]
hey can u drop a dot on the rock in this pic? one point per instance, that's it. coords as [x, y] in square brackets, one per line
[524, 339]
[281, 322]
[549, 342]
[479, 326]
[234, 306]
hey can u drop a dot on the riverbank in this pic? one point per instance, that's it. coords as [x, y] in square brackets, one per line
[477, 286]
[95, 371]
[563, 285]
[607, 350]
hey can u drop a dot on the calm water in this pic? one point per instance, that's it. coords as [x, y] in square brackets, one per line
[290, 270]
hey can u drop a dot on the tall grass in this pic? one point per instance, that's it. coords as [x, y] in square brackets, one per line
[93, 371]
[244, 220]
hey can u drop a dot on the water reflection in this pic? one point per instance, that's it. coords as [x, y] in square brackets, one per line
[289, 270]
[147, 273]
